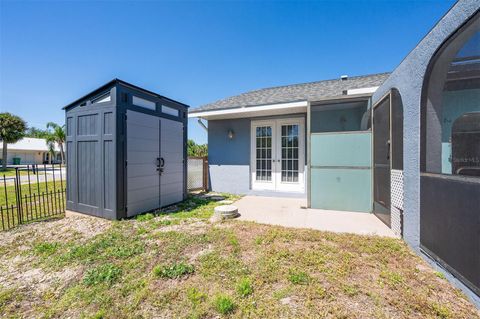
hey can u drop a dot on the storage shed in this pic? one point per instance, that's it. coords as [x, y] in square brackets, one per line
[126, 151]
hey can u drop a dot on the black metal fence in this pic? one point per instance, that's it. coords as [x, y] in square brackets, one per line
[31, 193]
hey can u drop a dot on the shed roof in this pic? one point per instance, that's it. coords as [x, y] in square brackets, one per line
[312, 91]
[112, 83]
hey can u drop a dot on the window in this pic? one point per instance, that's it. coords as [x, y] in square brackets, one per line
[339, 117]
[169, 110]
[290, 153]
[451, 106]
[144, 103]
[263, 137]
[102, 98]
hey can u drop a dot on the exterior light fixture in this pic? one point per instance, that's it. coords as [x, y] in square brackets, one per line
[230, 134]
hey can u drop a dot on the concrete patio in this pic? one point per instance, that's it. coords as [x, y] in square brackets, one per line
[292, 212]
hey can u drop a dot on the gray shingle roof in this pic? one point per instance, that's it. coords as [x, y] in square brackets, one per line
[311, 91]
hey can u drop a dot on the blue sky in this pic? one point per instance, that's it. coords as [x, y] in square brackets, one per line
[196, 52]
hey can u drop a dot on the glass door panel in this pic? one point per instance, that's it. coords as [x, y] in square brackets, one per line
[289, 158]
[263, 137]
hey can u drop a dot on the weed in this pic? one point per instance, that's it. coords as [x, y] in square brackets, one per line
[145, 217]
[440, 275]
[45, 248]
[244, 287]
[441, 311]
[111, 244]
[6, 297]
[393, 278]
[195, 296]
[282, 293]
[173, 271]
[99, 315]
[224, 304]
[214, 264]
[164, 222]
[350, 290]
[298, 277]
[106, 273]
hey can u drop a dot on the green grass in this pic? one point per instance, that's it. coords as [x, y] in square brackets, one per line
[298, 277]
[106, 273]
[10, 172]
[244, 287]
[173, 271]
[175, 266]
[224, 304]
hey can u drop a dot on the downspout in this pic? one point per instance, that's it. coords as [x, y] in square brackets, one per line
[202, 124]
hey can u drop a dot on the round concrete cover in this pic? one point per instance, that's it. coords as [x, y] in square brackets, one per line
[227, 211]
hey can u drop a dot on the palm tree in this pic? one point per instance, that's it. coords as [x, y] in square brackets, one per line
[12, 129]
[56, 135]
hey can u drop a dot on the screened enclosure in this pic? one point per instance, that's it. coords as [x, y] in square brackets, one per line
[450, 158]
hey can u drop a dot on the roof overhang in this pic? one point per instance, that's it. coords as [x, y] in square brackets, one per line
[252, 111]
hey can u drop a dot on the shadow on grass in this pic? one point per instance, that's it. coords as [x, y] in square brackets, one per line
[195, 206]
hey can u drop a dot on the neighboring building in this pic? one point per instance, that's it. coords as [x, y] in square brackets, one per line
[404, 146]
[30, 151]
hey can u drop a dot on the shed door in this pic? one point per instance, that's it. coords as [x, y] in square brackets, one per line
[381, 160]
[171, 150]
[143, 155]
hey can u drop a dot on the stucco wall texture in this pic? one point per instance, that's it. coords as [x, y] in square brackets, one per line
[408, 78]
[229, 159]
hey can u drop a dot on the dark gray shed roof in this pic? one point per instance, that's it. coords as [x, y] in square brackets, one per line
[311, 91]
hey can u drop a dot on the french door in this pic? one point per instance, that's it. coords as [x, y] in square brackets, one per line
[278, 155]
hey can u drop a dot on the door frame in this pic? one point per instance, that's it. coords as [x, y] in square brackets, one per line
[275, 184]
[380, 101]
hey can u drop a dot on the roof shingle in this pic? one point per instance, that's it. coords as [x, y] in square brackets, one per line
[311, 91]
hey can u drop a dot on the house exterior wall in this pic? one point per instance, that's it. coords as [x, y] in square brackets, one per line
[26, 156]
[408, 78]
[229, 159]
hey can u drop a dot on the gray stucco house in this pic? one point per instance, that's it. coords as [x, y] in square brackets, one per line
[403, 145]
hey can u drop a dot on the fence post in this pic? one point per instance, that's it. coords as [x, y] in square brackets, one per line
[18, 196]
[205, 173]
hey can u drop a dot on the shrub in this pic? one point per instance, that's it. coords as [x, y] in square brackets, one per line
[173, 271]
[298, 277]
[224, 304]
[106, 273]
[244, 287]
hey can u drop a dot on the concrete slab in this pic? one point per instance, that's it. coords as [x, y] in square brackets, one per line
[292, 212]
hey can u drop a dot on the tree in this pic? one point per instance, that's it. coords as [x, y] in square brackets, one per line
[36, 132]
[12, 129]
[194, 149]
[56, 134]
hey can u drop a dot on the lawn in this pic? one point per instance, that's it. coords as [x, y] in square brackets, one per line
[180, 265]
[10, 172]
